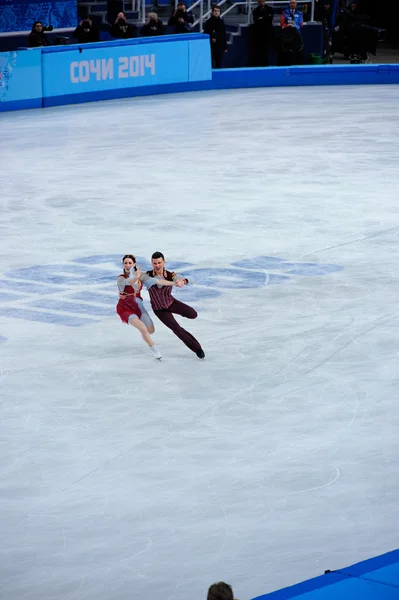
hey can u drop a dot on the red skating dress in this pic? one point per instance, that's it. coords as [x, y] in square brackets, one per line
[127, 304]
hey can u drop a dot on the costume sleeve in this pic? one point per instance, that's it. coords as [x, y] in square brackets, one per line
[283, 21]
[121, 282]
[176, 276]
[148, 281]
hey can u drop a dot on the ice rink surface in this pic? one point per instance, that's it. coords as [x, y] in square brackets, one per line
[275, 458]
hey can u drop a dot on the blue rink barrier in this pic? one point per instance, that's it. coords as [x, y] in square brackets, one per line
[116, 69]
[21, 80]
[54, 75]
[71, 74]
[373, 579]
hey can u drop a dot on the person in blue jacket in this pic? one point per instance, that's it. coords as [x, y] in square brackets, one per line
[292, 17]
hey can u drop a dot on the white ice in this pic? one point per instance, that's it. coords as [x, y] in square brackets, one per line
[275, 458]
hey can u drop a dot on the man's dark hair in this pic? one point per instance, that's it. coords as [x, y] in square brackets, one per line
[158, 255]
[220, 591]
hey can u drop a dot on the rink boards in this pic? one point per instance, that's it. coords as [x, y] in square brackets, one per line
[51, 76]
[38, 77]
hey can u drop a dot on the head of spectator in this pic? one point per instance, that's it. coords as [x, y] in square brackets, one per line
[352, 6]
[216, 11]
[85, 32]
[293, 4]
[181, 19]
[37, 27]
[120, 18]
[152, 16]
[153, 25]
[121, 28]
[220, 591]
[87, 24]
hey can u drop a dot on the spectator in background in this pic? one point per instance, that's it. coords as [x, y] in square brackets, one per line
[181, 19]
[306, 13]
[85, 32]
[153, 26]
[323, 12]
[216, 30]
[262, 33]
[355, 37]
[291, 44]
[121, 28]
[220, 591]
[292, 17]
[36, 38]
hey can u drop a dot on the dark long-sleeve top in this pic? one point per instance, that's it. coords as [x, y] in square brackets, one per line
[36, 40]
[263, 16]
[216, 29]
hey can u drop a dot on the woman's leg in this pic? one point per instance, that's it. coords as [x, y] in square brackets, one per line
[145, 317]
[135, 321]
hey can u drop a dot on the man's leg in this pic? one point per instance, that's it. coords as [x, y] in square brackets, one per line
[167, 318]
[184, 310]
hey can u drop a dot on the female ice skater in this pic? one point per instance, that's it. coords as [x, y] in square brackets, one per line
[130, 307]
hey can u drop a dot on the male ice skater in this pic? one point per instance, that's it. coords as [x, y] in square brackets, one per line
[164, 305]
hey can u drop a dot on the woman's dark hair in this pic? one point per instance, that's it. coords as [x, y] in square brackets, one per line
[132, 257]
[158, 255]
[220, 591]
[36, 23]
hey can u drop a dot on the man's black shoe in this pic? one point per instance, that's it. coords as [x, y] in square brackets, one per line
[200, 353]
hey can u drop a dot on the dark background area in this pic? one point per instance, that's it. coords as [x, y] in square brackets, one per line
[385, 14]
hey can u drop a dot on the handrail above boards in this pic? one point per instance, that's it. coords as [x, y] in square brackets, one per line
[247, 3]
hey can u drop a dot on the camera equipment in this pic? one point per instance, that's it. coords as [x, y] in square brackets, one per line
[61, 41]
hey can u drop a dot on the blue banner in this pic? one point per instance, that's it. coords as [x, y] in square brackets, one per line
[19, 15]
[20, 79]
[119, 65]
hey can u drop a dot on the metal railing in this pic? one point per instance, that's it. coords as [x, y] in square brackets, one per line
[141, 5]
[248, 5]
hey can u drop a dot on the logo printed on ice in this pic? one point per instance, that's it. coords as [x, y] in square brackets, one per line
[83, 290]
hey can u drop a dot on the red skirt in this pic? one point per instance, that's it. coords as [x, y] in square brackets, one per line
[127, 306]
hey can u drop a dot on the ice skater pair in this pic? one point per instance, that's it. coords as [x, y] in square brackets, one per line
[159, 282]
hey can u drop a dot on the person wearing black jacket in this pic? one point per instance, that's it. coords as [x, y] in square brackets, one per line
[36, 38]
[121, 29]
[153, 26]
[262, 33]
[355, 36]
[216, 30]
[323, 12]
[85, 32]
[181, 19]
